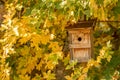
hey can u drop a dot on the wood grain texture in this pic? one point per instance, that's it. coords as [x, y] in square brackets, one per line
[80, 44]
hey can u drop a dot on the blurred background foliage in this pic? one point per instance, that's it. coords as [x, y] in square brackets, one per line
[33, 39]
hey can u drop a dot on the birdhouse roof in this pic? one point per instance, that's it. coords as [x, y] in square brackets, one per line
[82, 24]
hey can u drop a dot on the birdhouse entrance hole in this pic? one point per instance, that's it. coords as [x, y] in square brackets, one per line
[79, 38]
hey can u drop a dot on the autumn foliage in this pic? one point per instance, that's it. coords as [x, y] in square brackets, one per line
[33, 40]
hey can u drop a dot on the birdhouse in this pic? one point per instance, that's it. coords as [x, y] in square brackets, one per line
[80, 40]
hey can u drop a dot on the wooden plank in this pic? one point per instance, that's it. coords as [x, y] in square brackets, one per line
[80, 30]
[82, 55]
[79, 45]
[92, 39]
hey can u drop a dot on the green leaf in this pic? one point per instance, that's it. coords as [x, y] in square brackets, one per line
[71, 65]
[28, 12]
[99, 2]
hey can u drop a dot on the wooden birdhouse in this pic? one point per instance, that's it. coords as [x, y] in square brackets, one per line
[80, 40]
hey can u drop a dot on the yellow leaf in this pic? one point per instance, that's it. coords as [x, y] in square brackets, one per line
[50, 65]
[24, 77]
[38, 66]
[68, 77]
[25, 51]
[82, 77]
[85, 70]
[35, 40]
[23, 40]
[54, 46]
[45, 39]
[49, 75]
[109, 58]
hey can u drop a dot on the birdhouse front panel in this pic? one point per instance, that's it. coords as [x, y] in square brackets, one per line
[80, 36]
[80, 44]
[82, 54]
